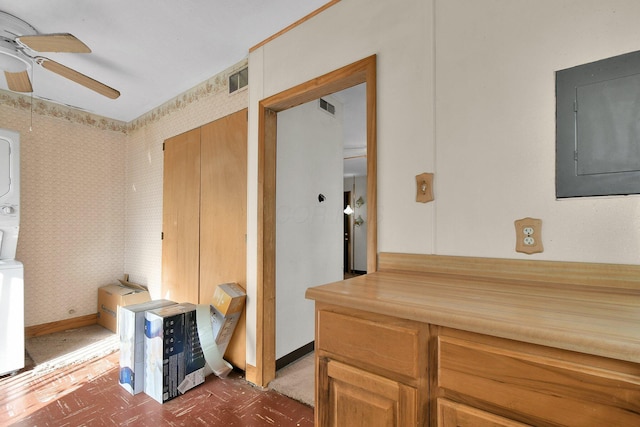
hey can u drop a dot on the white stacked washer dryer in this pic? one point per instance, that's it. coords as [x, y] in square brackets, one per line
[11, 271]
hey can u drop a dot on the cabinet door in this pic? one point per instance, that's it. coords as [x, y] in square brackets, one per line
[181, 217]
[223, 215]
[451, 414]
[352, 397]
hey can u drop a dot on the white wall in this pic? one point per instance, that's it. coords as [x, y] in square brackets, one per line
[465, 90]
[359, 236]
[399, 32]
[308, 232]
[358, 187]
[495, 128]
[358, 29]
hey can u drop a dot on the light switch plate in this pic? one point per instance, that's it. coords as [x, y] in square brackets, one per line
[424, 187]
[529, 235]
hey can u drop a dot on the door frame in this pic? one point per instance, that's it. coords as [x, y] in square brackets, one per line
[363, 71]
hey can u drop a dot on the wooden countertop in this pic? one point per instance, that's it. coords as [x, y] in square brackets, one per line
[590, 319]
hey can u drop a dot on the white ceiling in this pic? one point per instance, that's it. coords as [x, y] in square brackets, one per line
[149, 50]
[154, 50]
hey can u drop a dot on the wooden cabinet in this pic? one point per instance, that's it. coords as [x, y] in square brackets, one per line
[479, 342]
[534, 384]
[369, 370]
[375, 370]
[204, 216]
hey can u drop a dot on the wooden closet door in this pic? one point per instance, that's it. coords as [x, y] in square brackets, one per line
[223, 215]
[181, 218]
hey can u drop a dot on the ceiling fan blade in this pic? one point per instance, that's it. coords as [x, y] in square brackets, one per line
[77, 77]
[18, 82]
[63, 42]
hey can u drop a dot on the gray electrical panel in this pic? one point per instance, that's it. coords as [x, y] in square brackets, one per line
[598, 128]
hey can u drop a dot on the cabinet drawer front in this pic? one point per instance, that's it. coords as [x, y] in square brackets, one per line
[539, 389]
[389, 346]
[451, 414]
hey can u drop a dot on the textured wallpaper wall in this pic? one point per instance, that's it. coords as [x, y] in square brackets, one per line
[91, 192]
[72, 197]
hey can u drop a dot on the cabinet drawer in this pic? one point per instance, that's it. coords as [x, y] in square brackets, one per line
[389, 345]
[451, 414]
[538, 386]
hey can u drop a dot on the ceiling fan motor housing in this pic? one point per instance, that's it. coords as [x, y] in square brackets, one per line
[11, 58]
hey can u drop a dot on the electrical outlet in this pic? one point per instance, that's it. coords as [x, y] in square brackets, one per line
[529, 235]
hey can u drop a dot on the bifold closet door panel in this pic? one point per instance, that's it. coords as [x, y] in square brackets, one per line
[223, 214]
[223, 209]
[181, 218]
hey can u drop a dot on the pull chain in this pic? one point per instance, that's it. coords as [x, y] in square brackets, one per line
[31, 122]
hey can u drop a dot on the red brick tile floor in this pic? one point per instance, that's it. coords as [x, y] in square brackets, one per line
[88, 394]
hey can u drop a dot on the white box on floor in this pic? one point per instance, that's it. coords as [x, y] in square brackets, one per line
[174, 362]
[131, 323]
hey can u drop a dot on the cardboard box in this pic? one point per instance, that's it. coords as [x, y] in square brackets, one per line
[174, 362]
[131, 325]
[228, 303]
[229, 298]
[111, 297]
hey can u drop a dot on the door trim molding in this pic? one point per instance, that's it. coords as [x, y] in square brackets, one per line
[363, 71]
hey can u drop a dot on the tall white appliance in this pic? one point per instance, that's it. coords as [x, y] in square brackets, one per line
[11, 270]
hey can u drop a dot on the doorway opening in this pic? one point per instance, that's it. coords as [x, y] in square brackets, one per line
[363, 71]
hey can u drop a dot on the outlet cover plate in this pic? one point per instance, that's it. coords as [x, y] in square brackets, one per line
[529, 235]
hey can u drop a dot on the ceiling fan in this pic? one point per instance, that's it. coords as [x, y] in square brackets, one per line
[20, 44]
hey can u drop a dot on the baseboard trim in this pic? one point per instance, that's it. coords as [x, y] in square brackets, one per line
[60, 325]
[295, 355]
